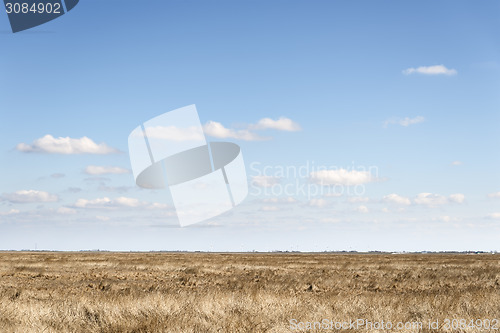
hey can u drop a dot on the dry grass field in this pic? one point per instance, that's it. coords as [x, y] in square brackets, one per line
[252, 292]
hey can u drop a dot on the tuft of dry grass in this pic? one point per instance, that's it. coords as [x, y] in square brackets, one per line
[242, 292]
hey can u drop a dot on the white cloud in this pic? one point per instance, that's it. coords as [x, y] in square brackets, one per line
[108, 203]
[358, 199]
[217, 130]
[456, 163]
[127, 202]
[103, 170]
[410, 121]
[363, 209]
[157, 205]
[430, 70]
[66, 211]
[10, 212]
[432, 200]
[29, 196]
[446, 218]
[330, 220]
[333, 195]
[270, 208]
[287, 200]
[173, 133]
[281, 124]
[95, 203]
[457, 197]
[319, 203]
[341, 177]
[397, 199]
[494, 195]
[494, 216]
[65, 145]
[265, 181]
[407, 121]
[120, 202]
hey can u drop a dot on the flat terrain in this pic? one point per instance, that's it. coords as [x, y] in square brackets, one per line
[215, 292]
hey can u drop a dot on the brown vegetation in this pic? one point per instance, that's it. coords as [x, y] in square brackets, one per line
[214, 292]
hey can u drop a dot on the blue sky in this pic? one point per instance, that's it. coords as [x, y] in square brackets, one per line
[410, 89]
